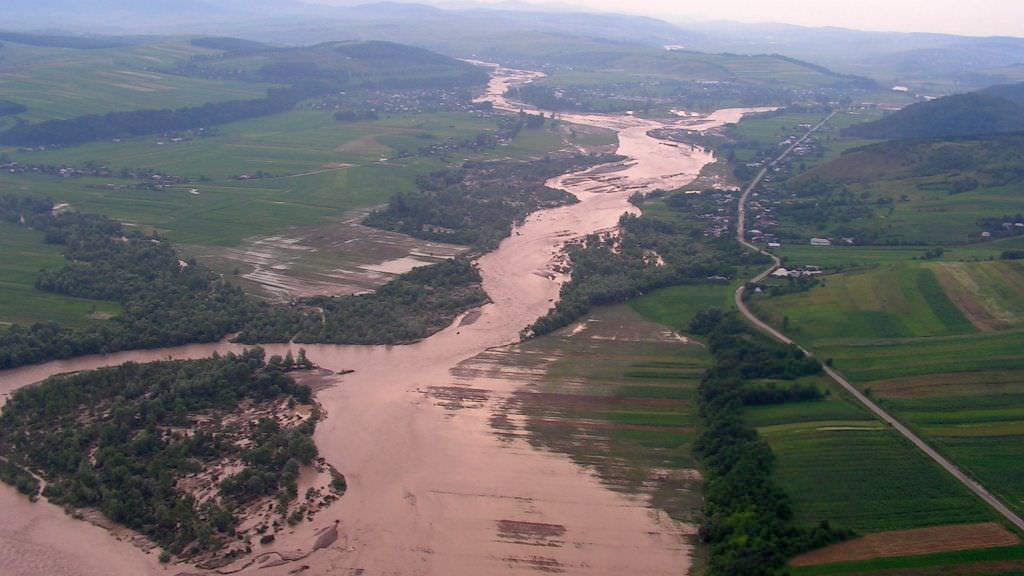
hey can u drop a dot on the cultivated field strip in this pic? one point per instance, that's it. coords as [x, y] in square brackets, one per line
[882, 414]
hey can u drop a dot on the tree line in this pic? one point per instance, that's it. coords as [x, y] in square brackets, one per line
[113, 125]
[169, 302]
[166, 301]
[393, 67]
[747, 519]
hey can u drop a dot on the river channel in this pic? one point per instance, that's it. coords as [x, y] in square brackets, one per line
[432, 489]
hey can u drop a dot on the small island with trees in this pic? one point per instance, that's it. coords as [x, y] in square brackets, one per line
[206, 459]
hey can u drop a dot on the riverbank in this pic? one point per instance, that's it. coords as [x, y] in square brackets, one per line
[432, 488]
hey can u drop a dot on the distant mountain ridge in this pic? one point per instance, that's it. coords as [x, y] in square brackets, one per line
[920, 59]
[995, 110]
[932, 64]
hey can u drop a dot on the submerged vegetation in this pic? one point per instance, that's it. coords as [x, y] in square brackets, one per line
[407, 309]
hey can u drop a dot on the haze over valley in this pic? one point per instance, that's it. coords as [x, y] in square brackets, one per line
[508, 288]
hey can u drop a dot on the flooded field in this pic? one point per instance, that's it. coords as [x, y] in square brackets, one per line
[329, 260]
[449, 468]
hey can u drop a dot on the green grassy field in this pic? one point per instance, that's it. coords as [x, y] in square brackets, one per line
[677, 305]
[853, 256]
[987, 292]
[840, 464]
[944, 355]
[768, 130]
[623, 64]
[24, 253]
[894, 300]
[62, 83]
[291, 143]
[834, 459]
[320, 169]
[936, 217]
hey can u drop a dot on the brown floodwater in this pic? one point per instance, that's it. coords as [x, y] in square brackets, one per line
[432, 488]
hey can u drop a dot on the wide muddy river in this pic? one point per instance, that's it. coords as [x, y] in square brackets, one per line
[433, 490]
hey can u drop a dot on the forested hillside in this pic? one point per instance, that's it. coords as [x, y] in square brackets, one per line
[992, 111]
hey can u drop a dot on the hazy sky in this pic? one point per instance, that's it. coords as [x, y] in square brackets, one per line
[968, 17]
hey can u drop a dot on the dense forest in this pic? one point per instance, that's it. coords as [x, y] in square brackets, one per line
[747, 517]
[168, 301]
[117, 440]
[478, 203]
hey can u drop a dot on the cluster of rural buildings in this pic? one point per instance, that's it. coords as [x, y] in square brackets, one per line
[719, 213]
[148, 179]
[803, 272]
[417, 101]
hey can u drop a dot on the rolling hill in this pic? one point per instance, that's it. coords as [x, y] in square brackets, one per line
[996, 110]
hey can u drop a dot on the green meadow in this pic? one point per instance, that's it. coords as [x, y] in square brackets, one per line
[920, 192]
[891, 301]
[834, 459]
[856, 256]
[316, 169]
[676, 306]
[940, 344]
[624, 64]
[23, 254]
[840, 464]
[768, 131]
[57, 83]
[923, 216]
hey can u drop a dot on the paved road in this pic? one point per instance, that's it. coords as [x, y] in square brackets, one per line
[923, 446]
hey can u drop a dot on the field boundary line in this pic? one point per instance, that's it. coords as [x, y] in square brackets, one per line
[947, 465]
